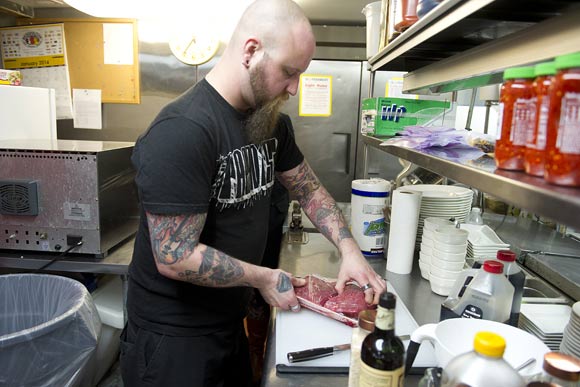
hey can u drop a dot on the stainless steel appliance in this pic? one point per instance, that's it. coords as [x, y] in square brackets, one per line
[54, 194]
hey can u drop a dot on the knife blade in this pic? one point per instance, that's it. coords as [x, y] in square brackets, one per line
[317, 353]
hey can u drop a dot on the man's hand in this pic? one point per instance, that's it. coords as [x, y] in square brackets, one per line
[278, 290]
[355, 267]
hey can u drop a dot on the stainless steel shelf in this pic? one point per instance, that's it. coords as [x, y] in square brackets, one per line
[562, 204]
[466, 44]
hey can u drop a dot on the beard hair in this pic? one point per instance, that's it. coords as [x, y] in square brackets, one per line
[260, 124]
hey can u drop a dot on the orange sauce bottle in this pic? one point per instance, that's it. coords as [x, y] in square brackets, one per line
[563, 141]
[516, 116]
[536, 138]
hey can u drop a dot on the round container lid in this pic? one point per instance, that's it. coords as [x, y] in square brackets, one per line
[546, 68]
[506, 255]
[562, 366]
[489, 344]
[371, 185]
[366, 319]
[568, 61]
[519, 72]
[494, 267]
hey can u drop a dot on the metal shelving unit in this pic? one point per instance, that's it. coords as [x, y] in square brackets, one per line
[465, 44]
[532, 193]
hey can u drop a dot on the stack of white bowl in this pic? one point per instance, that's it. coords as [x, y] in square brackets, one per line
[426, 247]
[571, 341]
[483, 242]
[448, 258]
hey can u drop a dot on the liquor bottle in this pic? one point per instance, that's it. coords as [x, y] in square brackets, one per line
[383, 353]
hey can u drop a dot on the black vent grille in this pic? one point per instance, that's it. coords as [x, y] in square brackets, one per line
[18, 197]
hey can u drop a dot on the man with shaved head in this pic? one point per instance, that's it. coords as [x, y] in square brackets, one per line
[205, 171]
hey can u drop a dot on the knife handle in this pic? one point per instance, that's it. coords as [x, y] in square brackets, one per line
[309, 354]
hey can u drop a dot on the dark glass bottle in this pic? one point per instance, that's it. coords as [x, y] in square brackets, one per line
[383, 353]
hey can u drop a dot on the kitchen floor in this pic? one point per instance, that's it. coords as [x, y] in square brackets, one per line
[113, 377]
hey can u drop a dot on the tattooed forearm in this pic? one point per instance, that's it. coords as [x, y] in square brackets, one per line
[284, 283]
[173, 238]
[328, 217]
[216, 269]
[304, 183]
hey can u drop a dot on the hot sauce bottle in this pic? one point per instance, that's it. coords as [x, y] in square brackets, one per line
[536, 138]
[516, 115]
[563, 141]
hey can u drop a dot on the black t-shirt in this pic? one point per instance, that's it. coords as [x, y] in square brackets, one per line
[194, 159]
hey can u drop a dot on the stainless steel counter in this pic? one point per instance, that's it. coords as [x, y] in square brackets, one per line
[117, 262]
[321, 257]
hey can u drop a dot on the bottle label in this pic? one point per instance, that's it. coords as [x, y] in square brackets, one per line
[543, 124]
[530, 132]
[371, 377]
[499, 120]
[472, 311]
[568, 140]
[521, 120]
[385, 319]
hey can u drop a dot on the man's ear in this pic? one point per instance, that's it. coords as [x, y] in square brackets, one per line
[251, 47]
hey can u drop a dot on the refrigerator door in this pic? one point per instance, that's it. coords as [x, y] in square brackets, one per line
[329, 143]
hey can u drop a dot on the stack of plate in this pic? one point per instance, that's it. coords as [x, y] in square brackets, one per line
[441, 201]
[547, 322]
[571, 341]
[483, 242]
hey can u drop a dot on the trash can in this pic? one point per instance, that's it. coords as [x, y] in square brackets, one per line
[49, 329]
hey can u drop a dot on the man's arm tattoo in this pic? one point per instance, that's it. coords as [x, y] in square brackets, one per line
[284, 284]
[173, 238]
[216, 269]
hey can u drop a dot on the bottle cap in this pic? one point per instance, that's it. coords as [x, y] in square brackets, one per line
[388, 300]
[546, 68]
[489, 344]
[562, 366]
[519, 72]
[568, 61]
[366, 319]
[506, 255]
[494, 267]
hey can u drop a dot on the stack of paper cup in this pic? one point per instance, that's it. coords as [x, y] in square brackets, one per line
[403, 230]
[427, 242]
[448, 258]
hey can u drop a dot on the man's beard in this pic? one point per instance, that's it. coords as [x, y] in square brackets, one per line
[260, 124]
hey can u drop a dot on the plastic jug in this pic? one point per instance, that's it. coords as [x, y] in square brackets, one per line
[480, 293]
[482, 367]
[517, 278]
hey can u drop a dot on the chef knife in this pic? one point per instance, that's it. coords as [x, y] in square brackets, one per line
[316, 353]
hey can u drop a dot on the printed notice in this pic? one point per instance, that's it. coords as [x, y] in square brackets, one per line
[394, 89]
[39, 53]
[118, 43]
[87, 109]
[315, 95]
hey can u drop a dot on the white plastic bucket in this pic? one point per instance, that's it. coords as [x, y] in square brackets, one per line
[368, 201]
[372, 12]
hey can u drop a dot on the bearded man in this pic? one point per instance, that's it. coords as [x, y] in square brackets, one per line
[205, 171]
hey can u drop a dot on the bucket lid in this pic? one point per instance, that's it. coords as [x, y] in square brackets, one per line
[371, 185]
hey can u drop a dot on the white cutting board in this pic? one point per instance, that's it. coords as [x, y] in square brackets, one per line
[307, 329]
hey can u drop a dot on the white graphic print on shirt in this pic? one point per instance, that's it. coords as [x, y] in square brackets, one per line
[244, 175]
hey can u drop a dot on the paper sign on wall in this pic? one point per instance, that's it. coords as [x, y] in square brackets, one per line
[394, 89]
[39, 52]
[315, 95]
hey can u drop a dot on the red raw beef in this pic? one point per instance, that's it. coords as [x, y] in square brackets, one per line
[350, 302]
[316, 290]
